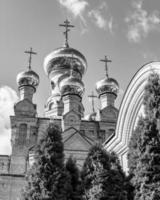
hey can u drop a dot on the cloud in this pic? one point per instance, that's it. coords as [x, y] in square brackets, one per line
[97, 16]
[76, 7]
[141, 23]
[100, 16]
[7, 99]
[5, 144]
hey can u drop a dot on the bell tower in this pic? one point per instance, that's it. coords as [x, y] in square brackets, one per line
[27, 82]
[67, 88]
[72, 89]
[107, 88]
[24, 122]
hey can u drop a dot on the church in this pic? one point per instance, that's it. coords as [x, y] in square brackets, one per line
[65, 67]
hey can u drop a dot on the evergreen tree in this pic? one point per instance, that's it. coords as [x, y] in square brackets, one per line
[48, 179]
[74, 173]
[133, 152]
[133, 157]
[102, 176]
[146, 175]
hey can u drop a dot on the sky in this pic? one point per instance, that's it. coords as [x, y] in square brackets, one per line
[127, 31]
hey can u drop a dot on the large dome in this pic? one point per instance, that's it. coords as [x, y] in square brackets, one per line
[59, 60]
[28, 78]
[107, 85]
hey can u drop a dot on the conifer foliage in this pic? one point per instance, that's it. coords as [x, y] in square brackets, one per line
[133, 152]
[48, 179]
[146, 174]
[71, 167]
[102, 176]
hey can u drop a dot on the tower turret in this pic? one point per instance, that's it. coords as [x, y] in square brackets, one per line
[92, 115]
[27, 81]
[72, 89]
[107, 88]
[57, 66]
[24, 122]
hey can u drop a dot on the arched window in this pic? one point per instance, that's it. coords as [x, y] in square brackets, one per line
[33, 134]
[51, 105]
[22, 133]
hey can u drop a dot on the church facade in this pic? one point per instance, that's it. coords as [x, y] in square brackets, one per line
[65, 68]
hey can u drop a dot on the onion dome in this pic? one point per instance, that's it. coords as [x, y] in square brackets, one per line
[28, 77]
[71, 85]
[91, 117]
[107, 85]
[59, 61]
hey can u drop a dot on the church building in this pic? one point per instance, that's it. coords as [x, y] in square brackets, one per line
[65, 68]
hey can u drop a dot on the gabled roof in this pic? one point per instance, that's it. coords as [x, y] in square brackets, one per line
[74, 140]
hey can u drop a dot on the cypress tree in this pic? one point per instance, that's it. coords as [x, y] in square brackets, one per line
[133, 152]
[102, 176]
[74, 173]
[48, 179]
[146, 175]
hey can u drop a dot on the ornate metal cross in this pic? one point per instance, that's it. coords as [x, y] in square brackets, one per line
[67, 25]
[30, 52]
[92, 96]
[106, 61]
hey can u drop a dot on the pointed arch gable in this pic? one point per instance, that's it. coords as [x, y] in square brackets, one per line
[129, 109]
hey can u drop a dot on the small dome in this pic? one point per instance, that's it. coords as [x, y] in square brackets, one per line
[71, 85]
[107, 85]
[59, 60]
[28, 78]
[91, 117]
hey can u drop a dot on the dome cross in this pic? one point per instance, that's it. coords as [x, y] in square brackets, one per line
[92, 97]
[66, 25]
[30, 52]
[106, 61]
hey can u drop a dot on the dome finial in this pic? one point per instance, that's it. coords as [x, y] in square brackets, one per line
[92, 96]
[30, 52]
[67, 25]
[106, 61]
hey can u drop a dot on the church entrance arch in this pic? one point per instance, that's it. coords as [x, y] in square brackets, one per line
[129, 109]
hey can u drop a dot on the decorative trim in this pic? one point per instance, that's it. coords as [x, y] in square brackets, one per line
[129, 109]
